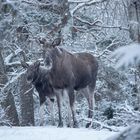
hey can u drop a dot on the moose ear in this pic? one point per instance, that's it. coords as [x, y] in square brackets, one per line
[37, 64]
[56, 42]
[24, 64]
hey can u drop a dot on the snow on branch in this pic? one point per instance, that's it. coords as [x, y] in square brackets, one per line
[130, 110]
[102, 125]
[86, 22]
[115, 27]
[86, 3]
[127, 55]
[53, 6]
[10, 56]
[12, 81]
[107, 48]
[13, 54]
[124, 110]
[28, 91]
[77, 1]
[36, 3]
[3, 120]
[95, 23]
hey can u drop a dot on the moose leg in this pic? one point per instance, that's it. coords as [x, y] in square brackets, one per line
[41, 114]
[67, 103]
[58, 97]
[51, 107]
[69, 115]
[89, 94]
[72, 106]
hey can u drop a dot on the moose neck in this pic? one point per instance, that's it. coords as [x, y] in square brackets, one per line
[56, 56]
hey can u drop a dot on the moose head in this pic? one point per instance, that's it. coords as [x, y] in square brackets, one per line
[32, 70]
[48, 48]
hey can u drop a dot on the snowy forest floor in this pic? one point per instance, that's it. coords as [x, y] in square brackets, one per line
[53, 133]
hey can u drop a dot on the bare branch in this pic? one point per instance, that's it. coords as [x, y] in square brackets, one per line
[115, 27]
[89, 23]
[95, 23]
[86, 3]
[34, 3]
[106, 50]
[77, 1]
[102, 125]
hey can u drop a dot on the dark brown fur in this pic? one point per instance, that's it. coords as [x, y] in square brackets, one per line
[65, 71]
[72, 72]
[38, 76]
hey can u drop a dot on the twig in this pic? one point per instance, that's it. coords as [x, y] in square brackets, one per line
[36, 3]
[118, 27]
[129, 109]
[86, 22]
[104, 51]
[28, 90]
[11, 81]
[102, 125]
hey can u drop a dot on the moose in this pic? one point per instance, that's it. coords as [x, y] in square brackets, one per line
[67, 72]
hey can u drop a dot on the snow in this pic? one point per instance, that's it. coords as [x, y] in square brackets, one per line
[53, 133]
[127, 55]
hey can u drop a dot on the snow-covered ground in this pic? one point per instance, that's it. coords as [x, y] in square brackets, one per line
[53, 133]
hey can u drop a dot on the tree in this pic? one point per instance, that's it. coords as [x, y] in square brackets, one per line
[134, 20]
[19, 33]
[130, 55]
[26, 102]
[7, 99]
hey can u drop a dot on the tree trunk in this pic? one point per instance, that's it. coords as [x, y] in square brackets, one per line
[10, 110]
[26, 101]
[3, 77]
[134, 20]
[7, 102]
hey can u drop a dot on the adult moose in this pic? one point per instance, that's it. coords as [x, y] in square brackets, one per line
[69, 72]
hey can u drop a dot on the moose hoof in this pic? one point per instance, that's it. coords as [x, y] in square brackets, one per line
[75, 125]
[88, 125]
[60, 125]
[68, 125]
[53, 124]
